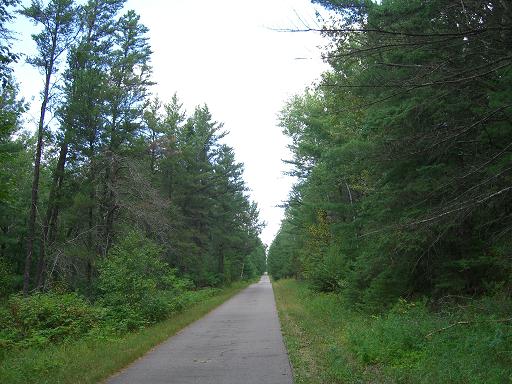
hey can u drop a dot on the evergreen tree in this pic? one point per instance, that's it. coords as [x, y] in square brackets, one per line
[127, 92]
[403, 152]
[7, 56]
[58, 21]
[114, 163]
[81, 115]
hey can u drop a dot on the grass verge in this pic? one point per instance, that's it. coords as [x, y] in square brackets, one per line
[94, 359]
[329, 343]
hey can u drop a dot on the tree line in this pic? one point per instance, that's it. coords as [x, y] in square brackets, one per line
[403, 154]
[110, 162]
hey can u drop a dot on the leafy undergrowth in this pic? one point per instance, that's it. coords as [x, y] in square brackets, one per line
[45, 319]
[329, 343]
[66, 340]
[135, 288]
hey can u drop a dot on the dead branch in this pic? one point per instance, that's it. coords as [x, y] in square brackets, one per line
[467, 322]
[466, 33]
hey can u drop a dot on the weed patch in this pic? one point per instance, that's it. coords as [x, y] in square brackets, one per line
[330, 343]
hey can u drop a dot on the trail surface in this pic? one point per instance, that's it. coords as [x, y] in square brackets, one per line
[240, 342]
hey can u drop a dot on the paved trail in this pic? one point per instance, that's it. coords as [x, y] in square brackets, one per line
[238, 343]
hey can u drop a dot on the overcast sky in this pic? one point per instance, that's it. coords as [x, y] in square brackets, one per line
[226, 54]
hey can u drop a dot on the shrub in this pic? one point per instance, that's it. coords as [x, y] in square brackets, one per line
[137, 287]
[328, 274]
[47, 317]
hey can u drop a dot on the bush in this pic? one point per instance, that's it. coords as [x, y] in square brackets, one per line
[46, 317]
[136, 285]
[328, 274]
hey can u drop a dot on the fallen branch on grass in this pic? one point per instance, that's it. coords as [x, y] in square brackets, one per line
[467, 322]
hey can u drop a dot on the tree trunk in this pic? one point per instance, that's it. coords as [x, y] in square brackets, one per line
[3, 246]
[110, 200]
[35, 186]
[93, 248]
[52, 212]
[37, 161]
[221, 260]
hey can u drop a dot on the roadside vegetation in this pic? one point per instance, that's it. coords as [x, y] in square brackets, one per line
[102, 347]
[400, 221]
[328, 341]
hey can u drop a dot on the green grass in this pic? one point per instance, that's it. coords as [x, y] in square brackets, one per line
[95, 358]
[329, 343]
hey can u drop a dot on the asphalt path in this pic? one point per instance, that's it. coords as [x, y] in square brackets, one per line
[239, 342]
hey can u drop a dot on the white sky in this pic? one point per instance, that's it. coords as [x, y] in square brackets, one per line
[224, 53]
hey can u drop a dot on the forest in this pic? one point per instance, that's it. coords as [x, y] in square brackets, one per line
[393, 262]
[402, 209]
[403, 154]
[118, 208]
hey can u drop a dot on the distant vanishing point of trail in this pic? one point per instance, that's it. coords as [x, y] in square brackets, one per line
[240, 342]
